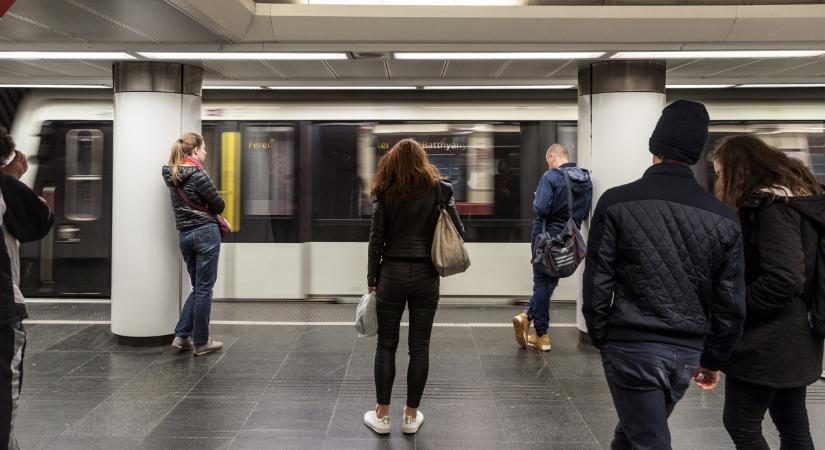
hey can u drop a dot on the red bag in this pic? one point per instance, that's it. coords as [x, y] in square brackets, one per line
[223, 225]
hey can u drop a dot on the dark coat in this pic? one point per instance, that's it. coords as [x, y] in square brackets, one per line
[665, 264]
[201, 191]
[406, 231]
[778, 349]
[550, 202]
[27, 218]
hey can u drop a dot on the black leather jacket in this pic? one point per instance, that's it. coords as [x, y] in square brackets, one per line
[406, 231]
[199, 188]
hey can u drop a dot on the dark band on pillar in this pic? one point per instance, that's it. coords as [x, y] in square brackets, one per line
[157, 76]
[622, 76]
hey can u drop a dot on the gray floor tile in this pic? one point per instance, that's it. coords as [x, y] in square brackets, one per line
[115, 365]
[123, 418]
[471, 420]
[43, 338]
[204, 417]
[54, 364]
[92, 338]
[252, 365]
[314, 366]
[93, 443]
[231, 386]
[279, 343]
[185, 443]
[255, 441]
[558, 424]
[50, 417]
[291, 419]
[398, 442]
[442, 444]
[29, 442]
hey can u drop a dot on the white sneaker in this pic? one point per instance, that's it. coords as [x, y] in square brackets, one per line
[380, 426]
[411, 425]
[210, 346]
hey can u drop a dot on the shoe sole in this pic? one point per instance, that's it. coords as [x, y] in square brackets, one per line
[544, 348]
[412, 431]
[521, 334]
[178, 347]
[377, 431]
[205, 352]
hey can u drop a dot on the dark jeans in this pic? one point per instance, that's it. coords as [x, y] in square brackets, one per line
[538, 310]
[12, 348]
[646, 380]
[200, 248]
[402, 282]
[745, 406]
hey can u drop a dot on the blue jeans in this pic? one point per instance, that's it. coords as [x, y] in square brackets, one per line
[538, 310]
[646, 380]
[200, 248]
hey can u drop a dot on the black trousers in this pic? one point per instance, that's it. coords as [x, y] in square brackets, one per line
[412, 282]
[745, 406]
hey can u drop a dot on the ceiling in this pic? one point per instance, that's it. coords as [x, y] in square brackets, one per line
[244, 25]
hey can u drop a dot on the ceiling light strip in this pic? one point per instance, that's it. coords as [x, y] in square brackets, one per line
[342, 88]
[496, 55]
[109, 56]
[56, 86]
[726, 54]
[783, 85]
[495, 87]
[245, 56]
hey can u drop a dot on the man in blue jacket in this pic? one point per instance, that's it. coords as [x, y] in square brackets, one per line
[550, 207]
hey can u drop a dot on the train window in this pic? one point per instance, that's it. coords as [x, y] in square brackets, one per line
[84, 175]
[484, 162]
[268, 170]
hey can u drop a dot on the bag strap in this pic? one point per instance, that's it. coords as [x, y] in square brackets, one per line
[569, 193]
[192, 204]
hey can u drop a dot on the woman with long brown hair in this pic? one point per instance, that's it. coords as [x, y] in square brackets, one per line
[780, 205]
[196, 202]
[406, 192]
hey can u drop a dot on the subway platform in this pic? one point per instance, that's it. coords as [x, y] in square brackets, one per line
[294, 375]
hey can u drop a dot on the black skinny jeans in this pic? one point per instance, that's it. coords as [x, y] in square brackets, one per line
[745, 406]
[416, 282]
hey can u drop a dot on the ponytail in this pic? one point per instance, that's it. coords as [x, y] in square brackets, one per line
[181, 148]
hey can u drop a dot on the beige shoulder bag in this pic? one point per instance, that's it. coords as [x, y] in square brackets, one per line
[449, 254]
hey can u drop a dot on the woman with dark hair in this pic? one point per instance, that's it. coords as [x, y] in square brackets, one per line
[406, 194]
[196, 202]
[780, 205]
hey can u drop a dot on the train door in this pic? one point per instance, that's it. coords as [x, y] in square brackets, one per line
[74, 167]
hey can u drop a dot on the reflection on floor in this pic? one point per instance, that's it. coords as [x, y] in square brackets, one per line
[308, 386]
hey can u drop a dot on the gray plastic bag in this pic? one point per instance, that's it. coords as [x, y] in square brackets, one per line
[366, 319]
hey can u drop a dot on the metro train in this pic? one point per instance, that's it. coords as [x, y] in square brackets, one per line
[295, 176]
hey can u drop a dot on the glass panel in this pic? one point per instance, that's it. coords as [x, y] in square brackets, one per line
[802, 140]
[84, 175]
[268, 171]
[483, 161]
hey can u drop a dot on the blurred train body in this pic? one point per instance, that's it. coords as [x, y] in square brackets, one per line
[296, 175]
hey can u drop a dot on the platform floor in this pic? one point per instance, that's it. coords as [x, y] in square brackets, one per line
[307, 386]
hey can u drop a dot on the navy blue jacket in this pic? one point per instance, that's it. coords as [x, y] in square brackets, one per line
[550, 202]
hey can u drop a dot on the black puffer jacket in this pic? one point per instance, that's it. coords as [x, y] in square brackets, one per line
[779, 348]
[406, 231]
[665, 264]
[199, 188]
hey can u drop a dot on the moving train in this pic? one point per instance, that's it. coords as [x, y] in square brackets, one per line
[295, 176]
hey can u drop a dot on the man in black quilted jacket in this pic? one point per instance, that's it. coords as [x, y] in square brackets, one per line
[664, 294]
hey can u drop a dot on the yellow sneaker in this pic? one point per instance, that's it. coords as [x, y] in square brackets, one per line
[539, 342]
[521, 323]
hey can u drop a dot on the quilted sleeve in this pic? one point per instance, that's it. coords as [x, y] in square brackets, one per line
[599, 274]
[206, 189]
[726, 313]
[376, 245]
[781, 256]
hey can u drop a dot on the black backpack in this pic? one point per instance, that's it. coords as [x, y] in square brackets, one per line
[560, 255]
